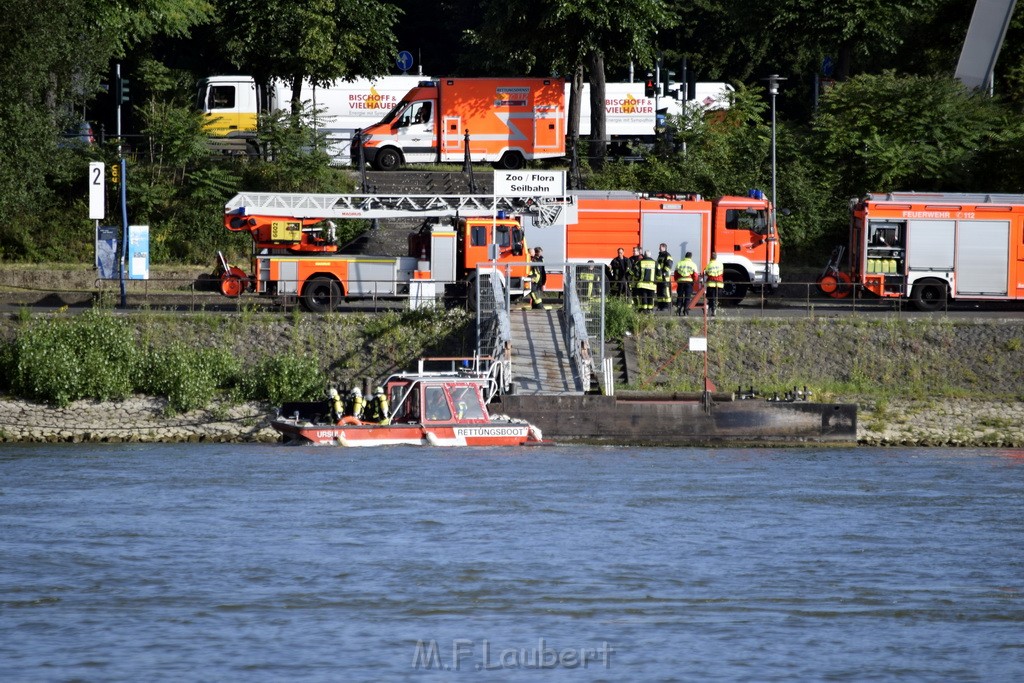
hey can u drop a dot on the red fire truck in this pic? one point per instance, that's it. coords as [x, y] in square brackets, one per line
[932, 248]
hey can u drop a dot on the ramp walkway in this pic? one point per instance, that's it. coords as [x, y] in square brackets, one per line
[540, 363]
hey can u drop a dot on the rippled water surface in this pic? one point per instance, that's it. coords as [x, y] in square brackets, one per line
[243, 562]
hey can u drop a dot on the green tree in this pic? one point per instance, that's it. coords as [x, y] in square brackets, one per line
[315, 40]
[564, 37]
[886, 132]
[51, 67]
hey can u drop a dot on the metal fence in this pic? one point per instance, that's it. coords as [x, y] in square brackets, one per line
[176, 293]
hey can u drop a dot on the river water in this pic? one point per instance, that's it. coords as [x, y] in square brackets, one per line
[267, 563]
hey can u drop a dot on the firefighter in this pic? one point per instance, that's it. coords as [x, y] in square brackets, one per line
[663, 277]
[618, 274]
[686, 275]
[538, 276]
[335, 406]
[355, 404]
[645, 284]
[377, 408]
[587, 278]
[634, 274]
[714, 273]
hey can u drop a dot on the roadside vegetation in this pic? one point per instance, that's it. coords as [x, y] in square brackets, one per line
[196, 360]
[891, 118]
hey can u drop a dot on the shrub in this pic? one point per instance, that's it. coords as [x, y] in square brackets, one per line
[278, 379]
[189, 378]
[619, 317]
[61, 360]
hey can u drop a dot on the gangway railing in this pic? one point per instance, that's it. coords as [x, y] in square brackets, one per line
[583, 294]
[493, 324]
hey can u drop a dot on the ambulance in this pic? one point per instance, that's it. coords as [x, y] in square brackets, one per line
[505, 121]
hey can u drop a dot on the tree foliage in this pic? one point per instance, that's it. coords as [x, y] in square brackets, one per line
[318, 40]
[884, 132]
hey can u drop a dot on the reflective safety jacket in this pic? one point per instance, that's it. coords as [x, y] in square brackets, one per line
[646, 269]
[664, 270]
[715, 273]
[686, 270]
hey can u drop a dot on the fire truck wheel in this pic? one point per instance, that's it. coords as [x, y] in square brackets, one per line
[388, 159]
[929, 295]
[321, 294]
[511, 161]
[733, 291]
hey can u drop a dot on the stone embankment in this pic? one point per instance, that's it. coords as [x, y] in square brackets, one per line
[138, 419]
[946, 422]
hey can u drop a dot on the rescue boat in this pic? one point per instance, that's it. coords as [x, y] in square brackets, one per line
[426, 409]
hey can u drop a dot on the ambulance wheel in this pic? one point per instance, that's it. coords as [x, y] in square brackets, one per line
[929, 295]
[388, 159]
[511, 161]
[320, 295]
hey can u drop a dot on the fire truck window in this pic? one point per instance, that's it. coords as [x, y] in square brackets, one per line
[750, 220]
[478, 236]
[222, 97]
[502, 239]
[437, 406]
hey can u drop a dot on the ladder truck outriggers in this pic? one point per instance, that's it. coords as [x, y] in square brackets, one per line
[296, 254]
[932, 248]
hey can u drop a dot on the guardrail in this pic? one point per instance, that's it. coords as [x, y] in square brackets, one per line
[795, 298]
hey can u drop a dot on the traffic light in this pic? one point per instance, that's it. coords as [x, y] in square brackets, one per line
[115, 173]
[121, 90]
[649, 86]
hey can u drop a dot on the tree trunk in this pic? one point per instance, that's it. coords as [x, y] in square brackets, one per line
[575, 89]
[297, 94]
[598, 128]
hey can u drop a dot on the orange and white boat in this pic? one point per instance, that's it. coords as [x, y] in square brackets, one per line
[426, 409]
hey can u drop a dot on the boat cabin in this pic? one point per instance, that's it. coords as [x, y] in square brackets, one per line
[429, 400]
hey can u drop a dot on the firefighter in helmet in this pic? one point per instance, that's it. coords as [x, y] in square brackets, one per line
[334, 404]
[377, 408]
[355, 404]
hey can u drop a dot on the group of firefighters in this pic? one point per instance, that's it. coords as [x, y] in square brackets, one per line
[354, 409]
[648, 280]
[644, 279]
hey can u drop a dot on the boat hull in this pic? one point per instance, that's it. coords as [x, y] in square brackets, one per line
[500, 434]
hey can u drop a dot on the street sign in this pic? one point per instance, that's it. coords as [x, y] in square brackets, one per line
[529, 183]
[97, 185]
[404, 61]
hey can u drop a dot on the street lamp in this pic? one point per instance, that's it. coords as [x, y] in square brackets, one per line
[773, 90]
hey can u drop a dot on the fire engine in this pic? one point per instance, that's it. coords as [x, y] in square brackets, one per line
[597, 223]
[296, 252]
[931, 248]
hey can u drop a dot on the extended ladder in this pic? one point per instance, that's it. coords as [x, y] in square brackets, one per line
[547, 210]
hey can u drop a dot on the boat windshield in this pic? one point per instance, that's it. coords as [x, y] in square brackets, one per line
[467, 403]
[437, 408]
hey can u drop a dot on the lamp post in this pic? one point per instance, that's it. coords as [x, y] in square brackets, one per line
[773, 90]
